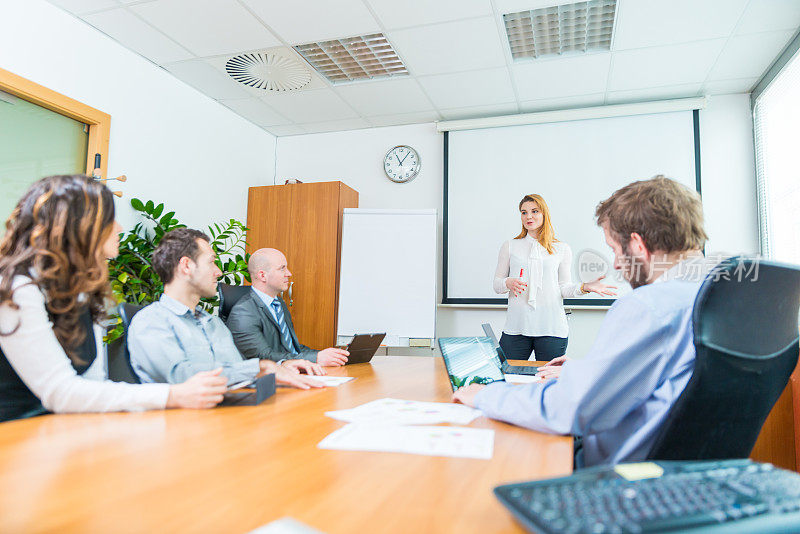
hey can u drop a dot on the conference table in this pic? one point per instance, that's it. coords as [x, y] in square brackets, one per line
[233, 469]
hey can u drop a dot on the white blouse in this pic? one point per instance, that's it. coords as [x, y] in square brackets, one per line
[38, 358]
[539, 310]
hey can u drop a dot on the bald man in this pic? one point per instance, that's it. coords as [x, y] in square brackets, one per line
[260, 322]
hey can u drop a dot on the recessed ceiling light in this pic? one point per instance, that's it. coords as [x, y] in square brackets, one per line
[354, 58]
[570, 28]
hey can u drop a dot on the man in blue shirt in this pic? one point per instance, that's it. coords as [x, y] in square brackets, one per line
[618, 395]
[172, 339]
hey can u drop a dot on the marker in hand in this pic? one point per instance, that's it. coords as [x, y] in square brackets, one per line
[519, 285]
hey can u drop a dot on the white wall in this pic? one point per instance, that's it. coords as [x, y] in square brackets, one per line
[174, 144]
[355, 157]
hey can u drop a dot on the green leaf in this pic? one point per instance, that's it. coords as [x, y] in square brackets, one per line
[123, 277]
[149, 207]
[137, 205]
[159, 209]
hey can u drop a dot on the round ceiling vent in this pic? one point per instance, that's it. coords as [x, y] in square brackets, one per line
[268, 71]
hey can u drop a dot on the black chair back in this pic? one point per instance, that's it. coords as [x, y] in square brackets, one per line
[228, 297]
[119, 358]
[746, 341]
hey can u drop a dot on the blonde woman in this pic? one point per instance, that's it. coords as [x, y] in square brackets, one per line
[534, 268]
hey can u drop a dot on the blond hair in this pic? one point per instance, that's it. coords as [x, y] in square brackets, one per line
[546, 235]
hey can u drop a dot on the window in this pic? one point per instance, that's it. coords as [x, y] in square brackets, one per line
[776, 122]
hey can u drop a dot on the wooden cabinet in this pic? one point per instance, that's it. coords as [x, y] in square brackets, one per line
[304, 221]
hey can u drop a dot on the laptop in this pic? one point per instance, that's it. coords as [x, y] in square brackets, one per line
[506, 368]
[363, 347]
[470, 360]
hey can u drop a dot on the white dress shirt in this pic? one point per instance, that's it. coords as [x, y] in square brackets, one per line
[38, 358]
[539, 310]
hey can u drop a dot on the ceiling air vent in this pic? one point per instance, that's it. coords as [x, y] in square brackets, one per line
[570, 28]
[354, 58]
[268, 71]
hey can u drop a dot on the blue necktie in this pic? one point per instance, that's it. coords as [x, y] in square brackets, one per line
[287, 337]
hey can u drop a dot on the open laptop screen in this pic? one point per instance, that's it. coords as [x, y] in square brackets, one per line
[470, 360]
[487, 329]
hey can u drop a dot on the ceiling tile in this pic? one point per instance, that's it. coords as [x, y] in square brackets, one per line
[572, 102]
[476, 112]
[132, 32]
[450, 47]
[726, 87]
[402, 95]
[643, 23]
[84, 6]
[663, 65]
[405, 118]
[769, 15]
[290, 129]
[206, 79]
[746, 56]
[310, 106]
[656, 93]
[474, 88]
[314, 20]
[560, 77]
[207, 27]
[256, 111]
[336, 126]
[393, 14]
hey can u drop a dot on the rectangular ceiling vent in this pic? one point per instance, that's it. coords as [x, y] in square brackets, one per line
[570, 28]
[354, 58]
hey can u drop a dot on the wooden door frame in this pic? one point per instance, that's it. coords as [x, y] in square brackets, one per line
[99, 123]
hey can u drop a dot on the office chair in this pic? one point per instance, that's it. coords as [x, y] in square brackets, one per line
[228, 297]
[119, 358]
[746, 342]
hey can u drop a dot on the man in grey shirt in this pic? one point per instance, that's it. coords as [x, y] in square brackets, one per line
[172, 339]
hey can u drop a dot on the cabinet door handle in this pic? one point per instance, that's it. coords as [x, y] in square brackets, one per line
[291, 300]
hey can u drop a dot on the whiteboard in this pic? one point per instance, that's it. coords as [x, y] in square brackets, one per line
[387, 281]
[573, 165]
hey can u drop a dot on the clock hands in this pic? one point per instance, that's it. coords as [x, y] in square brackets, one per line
[398, 160]
[404, 158]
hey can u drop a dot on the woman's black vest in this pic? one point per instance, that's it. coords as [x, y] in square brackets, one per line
[16, 400]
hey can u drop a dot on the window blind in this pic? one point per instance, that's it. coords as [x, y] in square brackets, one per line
[776, 118]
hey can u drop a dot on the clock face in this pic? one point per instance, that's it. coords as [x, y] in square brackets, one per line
[401, 164]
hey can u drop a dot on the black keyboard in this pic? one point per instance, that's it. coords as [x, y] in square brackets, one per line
[719, 496]
[520, 369]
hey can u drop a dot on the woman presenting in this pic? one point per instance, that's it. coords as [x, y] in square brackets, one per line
[534, 268]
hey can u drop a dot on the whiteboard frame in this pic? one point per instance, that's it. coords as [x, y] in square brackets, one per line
[404, 340]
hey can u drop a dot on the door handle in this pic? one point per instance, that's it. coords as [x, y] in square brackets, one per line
[291, 300]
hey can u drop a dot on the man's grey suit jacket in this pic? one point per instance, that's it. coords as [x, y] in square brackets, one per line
[257, 335]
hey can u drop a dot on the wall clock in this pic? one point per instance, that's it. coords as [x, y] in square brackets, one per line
[401, 164]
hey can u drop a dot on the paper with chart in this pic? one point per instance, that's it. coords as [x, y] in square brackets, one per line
[453, 441]
[407, 412]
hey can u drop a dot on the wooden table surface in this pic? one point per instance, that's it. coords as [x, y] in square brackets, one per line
[233, 469]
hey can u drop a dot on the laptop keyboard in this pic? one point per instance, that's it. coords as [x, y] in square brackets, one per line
[520, 370]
